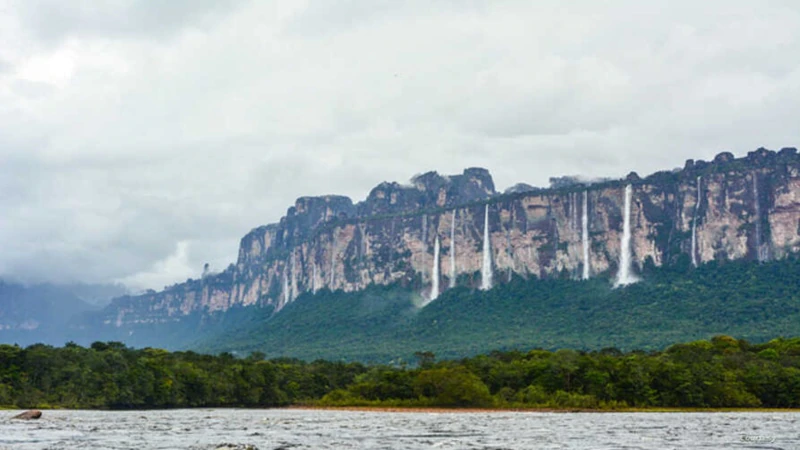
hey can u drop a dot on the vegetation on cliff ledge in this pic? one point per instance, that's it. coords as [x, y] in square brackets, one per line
[722, 372]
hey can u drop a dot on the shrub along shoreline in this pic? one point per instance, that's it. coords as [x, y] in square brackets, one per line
[719, 373]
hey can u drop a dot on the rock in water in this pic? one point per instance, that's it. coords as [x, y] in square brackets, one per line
[236, 447]
[29, 415]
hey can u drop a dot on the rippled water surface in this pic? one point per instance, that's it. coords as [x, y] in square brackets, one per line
[303, 429]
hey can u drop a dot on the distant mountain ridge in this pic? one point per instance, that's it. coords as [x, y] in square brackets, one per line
[38, 313]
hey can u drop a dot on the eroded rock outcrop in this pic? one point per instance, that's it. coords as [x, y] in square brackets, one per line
[32, 414]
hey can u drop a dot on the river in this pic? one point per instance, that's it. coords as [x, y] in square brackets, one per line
[268, 429]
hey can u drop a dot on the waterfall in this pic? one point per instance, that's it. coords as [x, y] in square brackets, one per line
[624, 276]
[293, 269]
[585, 234]
[694, 224]
[435, 270]
[486, 272]
[333, 264]
[574, 202]
[509, 255]
[425, 228]
[569, 212]
[759, 250]
[314, 277]
[286, 293]
[453, 250]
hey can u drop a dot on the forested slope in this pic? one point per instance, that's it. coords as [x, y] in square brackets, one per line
[380, 324]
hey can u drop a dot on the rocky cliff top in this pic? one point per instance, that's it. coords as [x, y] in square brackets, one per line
[426, 191]
[726, 160]
[431, 190]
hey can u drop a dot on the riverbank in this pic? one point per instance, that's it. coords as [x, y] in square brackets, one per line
[430, 409]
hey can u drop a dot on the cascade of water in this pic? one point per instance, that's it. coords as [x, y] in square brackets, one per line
[509, 255]
[293, 286]
[363, 250]
[361, 240]
[435, 270]
[512, 259]
[314, 277]
[585, 234]
[624, 276]
[694, 224]
[333, 264]
[286, 293]
[486, 272]
[569, 211]
[425, 228]
[759, 250]
[453, 250]
[574, 210]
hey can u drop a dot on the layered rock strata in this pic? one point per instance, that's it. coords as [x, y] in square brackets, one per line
[728, 208]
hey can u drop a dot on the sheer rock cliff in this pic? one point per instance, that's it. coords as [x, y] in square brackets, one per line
[735, 207]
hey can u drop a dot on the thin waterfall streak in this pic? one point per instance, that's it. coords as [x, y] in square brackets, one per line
[585, 235]
[571, 211]
[333, 263]
[574, 210]
[286, 292]
[293, 271]
[694, 224]
[486, 272]
[425, 229]
[362, 249]
[759, 250]
[435, 271]
[512, 257]
[509, 256]
[314, 277]
[624, 276]
[453, 250]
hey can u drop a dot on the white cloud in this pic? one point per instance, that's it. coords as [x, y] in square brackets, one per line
[126, 128]
[165, 271]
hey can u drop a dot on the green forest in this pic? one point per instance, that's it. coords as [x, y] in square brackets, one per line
[715, 373]
[383, 324]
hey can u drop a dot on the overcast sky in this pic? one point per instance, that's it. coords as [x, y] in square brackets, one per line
[140, 139]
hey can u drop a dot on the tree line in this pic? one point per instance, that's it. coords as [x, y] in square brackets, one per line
[721, 372]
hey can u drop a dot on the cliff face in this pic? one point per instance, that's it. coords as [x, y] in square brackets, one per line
[725, 209]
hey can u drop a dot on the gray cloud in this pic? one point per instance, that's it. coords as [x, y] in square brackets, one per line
[139, 142]
[54, 20]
